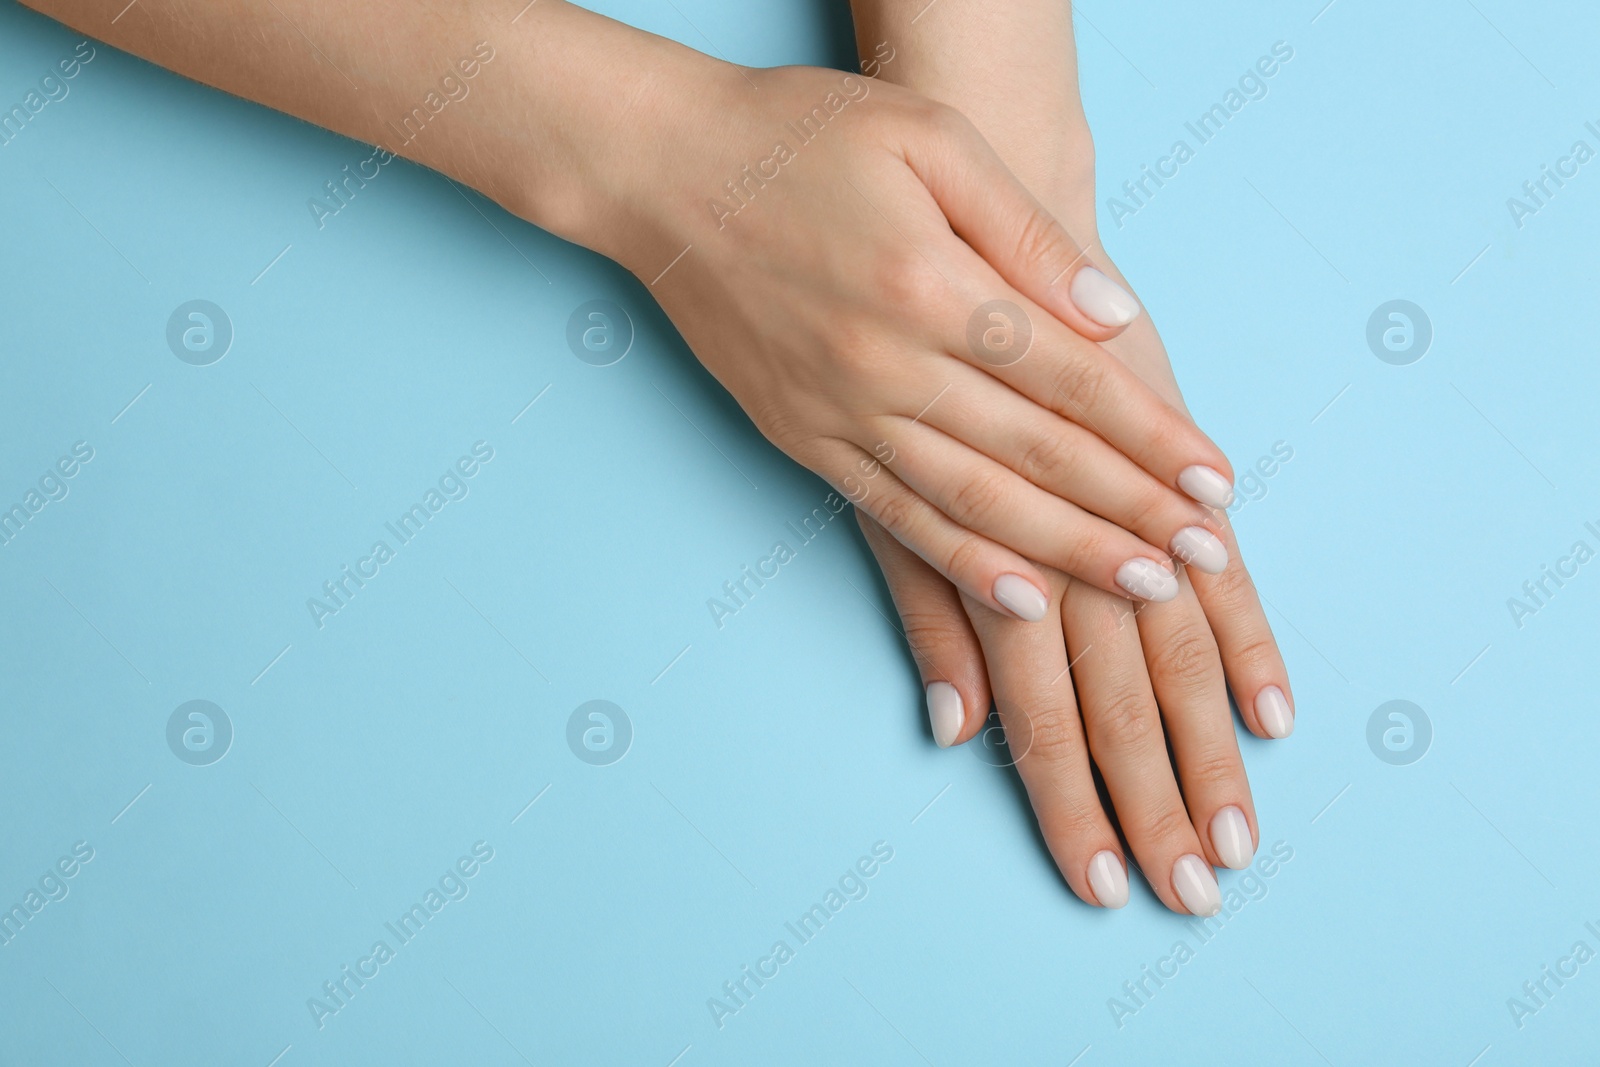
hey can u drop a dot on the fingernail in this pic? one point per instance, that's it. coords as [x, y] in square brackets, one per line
[944, 712]
[1272, 710]
[1021, 597]
[1201, 549]
[1102, 299]
[1230, 836]
[1147, 580]
[1108, 880]
[1206, 486]
[1196, 885]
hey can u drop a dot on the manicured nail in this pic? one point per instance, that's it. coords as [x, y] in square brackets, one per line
[944, 712]
[1021, 597]
[1272, 710]
[1108, 880]
[1200, 548]
[1196, 885]
[1206, 486]
[1102, 299]
[1230, 836]
[1147, 580]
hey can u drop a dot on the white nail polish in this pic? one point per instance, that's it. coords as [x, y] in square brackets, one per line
[944, 712]
[1102, 299]
[1147, 580]
[1021, 597]
[1196, 886]
[1230, 836]
[1206, 486]
[1200, 549]
[1108, 879]
[1272, 710]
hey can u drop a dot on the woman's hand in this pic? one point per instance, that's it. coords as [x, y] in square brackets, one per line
[1142, 677]
[851, 260]
[837, 251]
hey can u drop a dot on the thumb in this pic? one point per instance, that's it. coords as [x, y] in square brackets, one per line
[991, 211]
[942, 641]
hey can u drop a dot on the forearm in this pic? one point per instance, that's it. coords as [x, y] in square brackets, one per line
[533, 105]
[1010, 68]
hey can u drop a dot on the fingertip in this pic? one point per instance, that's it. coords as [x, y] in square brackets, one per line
[1021, 597]
[1273, 713]
[946, 713]
[1104, 302]
[1108, 878]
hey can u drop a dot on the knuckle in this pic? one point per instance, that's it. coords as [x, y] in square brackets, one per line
[967, 557]
[1055, 736]
[1050, 460]
[1079, 385]
[946, 122]
[1258, 653]
[893, 512]
[1043, 244]
[1186, 657]
[1233, 586]
[1073, 821]
[906, 281]
[977, 499]
[1210, 769]
[937, 635]
[1166, 823]
[1125, 719]
[1086, 549]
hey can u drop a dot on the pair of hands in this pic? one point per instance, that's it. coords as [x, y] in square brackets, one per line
[832, 294]
[893, 297]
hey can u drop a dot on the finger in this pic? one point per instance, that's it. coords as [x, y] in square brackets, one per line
[994, 213]
[1033, 693]
[1021, 345]
[1250, 655]
[1126, 739]
[1073, 463]
[988, 571]
[942, 641]
[1186, 675]
[978, 494]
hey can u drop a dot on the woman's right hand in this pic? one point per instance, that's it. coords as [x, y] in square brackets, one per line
[897, 313]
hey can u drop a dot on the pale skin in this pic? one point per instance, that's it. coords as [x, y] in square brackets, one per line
[1140, 680]
[834, 305]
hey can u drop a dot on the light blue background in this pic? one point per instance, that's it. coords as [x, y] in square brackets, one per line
[777, 750]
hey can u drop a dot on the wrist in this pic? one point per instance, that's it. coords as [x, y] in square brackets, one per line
[606, 169]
